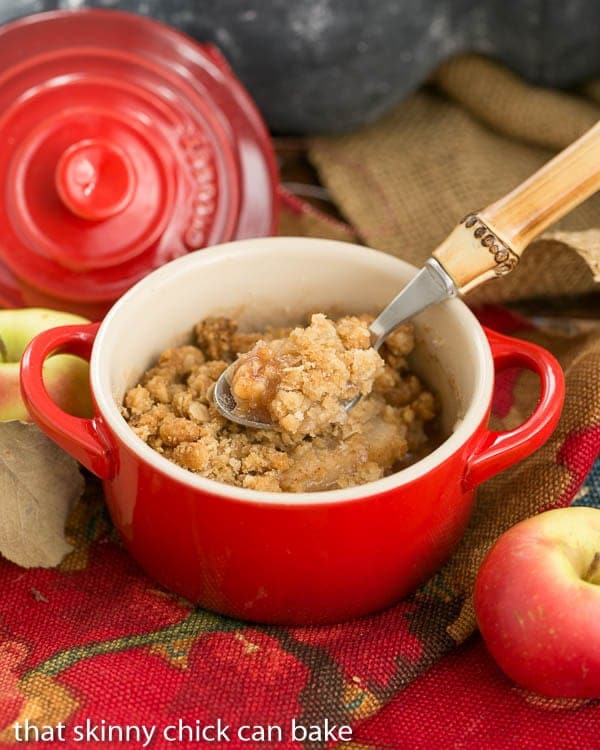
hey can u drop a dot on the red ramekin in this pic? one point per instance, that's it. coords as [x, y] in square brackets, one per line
[289, 558]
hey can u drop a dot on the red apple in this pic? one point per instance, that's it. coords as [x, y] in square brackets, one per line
[537, 602]
[65, 376]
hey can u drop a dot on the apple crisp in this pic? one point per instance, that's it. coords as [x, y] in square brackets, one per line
[301, 382]
[298, 379]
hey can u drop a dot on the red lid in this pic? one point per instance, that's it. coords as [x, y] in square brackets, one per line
[124, 145]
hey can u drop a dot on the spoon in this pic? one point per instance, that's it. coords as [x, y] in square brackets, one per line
[484, 245]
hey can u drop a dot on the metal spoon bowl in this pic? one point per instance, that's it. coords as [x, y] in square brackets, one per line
[431, 285]
[226, 404]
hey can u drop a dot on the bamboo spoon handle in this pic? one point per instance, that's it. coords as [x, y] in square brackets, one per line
[491, 242]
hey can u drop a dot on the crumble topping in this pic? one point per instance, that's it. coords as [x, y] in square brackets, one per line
[299, 378]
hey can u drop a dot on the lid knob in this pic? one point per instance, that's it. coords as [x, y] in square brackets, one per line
[95, 179]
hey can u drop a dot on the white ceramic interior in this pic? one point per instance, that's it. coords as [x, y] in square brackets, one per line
[279, 280]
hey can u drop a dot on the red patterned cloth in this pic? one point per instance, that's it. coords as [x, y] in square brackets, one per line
[466, 703]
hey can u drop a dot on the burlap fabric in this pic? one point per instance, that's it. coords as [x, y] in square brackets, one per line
[468, 139]
[96, 641]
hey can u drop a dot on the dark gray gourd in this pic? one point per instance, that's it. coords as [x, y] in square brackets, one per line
[325, 66]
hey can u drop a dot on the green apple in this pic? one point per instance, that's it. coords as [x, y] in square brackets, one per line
[65, 376]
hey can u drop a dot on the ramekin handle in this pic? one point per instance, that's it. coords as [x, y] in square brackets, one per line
[499, 450]
[85, 439]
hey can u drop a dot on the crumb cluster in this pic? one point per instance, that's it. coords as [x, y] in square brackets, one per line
[301, 382]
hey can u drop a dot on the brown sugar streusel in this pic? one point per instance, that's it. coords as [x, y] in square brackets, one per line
[299, 379]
